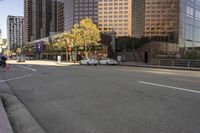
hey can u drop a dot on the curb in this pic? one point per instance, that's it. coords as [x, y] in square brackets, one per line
[161, 67]
[5, 126]
[20, 118]
[14, 116]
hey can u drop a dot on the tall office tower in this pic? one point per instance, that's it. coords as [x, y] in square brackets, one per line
[15, 25]
[173, 21]
[115, 17]
[60, 16]
[76, 10]
[28, 15]
[189, 24]
[57, 16]
[160, 18]
[42, 17]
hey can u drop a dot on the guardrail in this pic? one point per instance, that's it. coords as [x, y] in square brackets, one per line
[176, 63]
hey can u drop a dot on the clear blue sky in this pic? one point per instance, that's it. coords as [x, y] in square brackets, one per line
[9, 7]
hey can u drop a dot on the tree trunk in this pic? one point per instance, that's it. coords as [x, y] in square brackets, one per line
[66, 56]
[86, 55]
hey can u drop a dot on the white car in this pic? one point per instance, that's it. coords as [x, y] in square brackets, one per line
[108, 62]
[89, 62]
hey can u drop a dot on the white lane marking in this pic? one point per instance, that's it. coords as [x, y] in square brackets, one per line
[1, 81]
[28, 68]
[171, 87]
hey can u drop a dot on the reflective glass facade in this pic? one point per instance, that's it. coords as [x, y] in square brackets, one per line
[42, 17]
[173, 21]
[76, 10]
[189, 29]
[158, 19]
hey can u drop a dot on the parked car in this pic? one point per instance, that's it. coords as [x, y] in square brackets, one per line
[108, 61]
[14, 58]
[29, 58]
[89, 62]
[21, 59]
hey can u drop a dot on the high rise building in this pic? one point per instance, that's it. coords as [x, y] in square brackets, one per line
[115, 16]
[189, 24]
[42, 17]
[76, 10]
[156, 18]
[15, 25]
[173, 21]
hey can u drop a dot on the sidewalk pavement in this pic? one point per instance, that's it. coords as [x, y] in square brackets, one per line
[42, 62]
[19, 119]
[5, 126]
[142, 64]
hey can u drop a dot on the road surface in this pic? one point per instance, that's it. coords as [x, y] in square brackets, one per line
[107, 99]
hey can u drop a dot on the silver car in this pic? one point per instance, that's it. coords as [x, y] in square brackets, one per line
[108, 61]
[89, 62]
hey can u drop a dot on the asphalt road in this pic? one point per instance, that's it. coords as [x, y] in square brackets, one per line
[108, 99]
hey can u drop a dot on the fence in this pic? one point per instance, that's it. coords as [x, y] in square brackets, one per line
[176, 63]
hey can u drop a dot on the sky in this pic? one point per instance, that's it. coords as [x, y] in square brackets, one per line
[9, 7]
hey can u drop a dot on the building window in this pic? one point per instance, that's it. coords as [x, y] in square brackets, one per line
[190, 11]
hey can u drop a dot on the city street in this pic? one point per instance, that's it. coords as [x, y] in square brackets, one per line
[107, 99]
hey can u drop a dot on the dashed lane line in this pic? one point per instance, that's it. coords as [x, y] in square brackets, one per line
[28, 68]
[17, 78]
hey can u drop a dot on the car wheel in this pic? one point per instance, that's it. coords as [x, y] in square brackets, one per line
[88, 63]
[107, 63]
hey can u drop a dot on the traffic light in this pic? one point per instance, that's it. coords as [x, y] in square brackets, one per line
[70, 49]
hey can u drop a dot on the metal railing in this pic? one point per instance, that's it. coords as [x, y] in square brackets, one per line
[176, 63]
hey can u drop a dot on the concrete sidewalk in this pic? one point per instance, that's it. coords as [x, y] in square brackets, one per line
[19, 119]
[5, 126]
[142, 64]
[43, 62]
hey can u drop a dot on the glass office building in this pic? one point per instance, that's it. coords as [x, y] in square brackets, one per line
[115, 17]
[76, 10]
[173, 21]
[156, 18]
[189, 28]
[41, 17]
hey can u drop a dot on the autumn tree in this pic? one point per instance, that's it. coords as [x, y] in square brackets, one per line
[62, 42]
[19, 51]
[86, 34]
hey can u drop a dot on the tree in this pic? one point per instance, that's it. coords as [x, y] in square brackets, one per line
[62, 42]
[8, 52]
[86, 34]
[14, 47]
[19, 51]
[4, 42]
